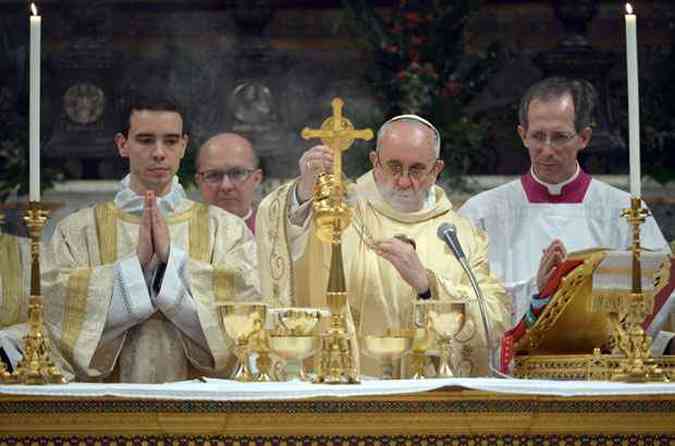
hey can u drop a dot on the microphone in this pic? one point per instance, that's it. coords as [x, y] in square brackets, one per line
[448, 233]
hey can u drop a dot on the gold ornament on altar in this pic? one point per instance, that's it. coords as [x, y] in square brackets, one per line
[244, 322]
[35, 366]
[332, 216]
[592, 327]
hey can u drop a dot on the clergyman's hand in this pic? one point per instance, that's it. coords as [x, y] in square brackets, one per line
[160, 232]
[145, 249]
[312, 162]
[552, 257]
[406, 261]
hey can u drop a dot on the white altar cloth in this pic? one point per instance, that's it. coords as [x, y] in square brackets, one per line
[226, 390]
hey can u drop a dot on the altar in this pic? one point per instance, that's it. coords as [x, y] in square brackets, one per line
[472, 411]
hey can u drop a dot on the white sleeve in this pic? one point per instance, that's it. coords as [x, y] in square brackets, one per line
[521, 295]
[174, 300]
[130, 303]
[660, 342]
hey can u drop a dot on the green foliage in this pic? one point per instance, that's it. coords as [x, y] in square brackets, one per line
[419, 66]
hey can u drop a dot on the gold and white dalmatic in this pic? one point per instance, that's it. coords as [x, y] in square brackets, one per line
[15, 267]
[108, 321]
[294, 264]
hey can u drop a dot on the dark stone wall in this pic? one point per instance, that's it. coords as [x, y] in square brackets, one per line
[267, 68]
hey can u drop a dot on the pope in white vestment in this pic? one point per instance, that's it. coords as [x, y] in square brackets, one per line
[294, 264]
[102, 311]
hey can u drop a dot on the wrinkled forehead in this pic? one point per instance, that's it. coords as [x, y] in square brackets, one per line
[407, 142]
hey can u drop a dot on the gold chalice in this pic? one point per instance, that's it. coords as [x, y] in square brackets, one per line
[241, 321]
[422, 341]
[446, 319]
[388, 347]
[295, 335]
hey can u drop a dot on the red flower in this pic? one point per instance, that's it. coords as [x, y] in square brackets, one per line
[412, 17]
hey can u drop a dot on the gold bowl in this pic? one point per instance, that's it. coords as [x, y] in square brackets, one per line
[296, 321]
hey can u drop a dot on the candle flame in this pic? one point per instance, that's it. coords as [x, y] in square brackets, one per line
[629, 8]
[33, 9]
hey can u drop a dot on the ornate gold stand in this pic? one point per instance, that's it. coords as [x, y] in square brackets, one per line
[331, 216]
[627, 312]
[35, 367]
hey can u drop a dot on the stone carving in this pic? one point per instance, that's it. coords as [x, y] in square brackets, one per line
[84, 103]
[253, 107]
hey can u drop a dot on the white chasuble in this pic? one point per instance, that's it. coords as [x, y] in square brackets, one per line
[520, 230]
[294, 266]
[159, 328]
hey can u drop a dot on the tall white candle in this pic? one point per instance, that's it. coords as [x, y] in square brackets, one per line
[633, 100]
[34, 104]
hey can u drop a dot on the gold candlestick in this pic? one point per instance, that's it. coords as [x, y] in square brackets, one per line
[331, 216]
[629, 310]
[36, 367]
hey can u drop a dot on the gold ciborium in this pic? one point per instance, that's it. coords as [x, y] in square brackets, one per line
[243, 321]
[295, 335]
[388, 347]
[446, 319]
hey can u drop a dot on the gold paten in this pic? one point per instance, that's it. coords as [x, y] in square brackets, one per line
[331, 216]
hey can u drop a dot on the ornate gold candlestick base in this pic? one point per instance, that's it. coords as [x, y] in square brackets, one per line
[628, 310]
[36, 367]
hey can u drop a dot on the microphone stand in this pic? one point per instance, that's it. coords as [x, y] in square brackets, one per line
[483, 315]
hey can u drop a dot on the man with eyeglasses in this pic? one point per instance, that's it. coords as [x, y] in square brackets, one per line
[133, 283]
[392, 255]
[555, 207]
[228, 173]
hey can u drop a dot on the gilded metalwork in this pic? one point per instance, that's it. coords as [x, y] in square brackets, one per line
[332, 215]
[557, 328]
[35, 366]
[604, 320]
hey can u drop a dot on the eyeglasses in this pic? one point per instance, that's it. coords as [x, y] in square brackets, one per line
[396, 170]
[236, 175]
[555, 139]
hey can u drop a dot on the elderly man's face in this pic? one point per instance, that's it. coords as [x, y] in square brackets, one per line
[405, 167]
[552, 140]
[227, 176]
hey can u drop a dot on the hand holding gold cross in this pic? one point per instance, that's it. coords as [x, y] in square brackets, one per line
[339, 134]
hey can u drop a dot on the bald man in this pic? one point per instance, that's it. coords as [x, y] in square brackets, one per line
[228, 172]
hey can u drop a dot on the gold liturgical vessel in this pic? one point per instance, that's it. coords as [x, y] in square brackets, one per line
[35, 367]
[331, 216]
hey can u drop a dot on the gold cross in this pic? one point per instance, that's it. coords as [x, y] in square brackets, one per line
[337, 133]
